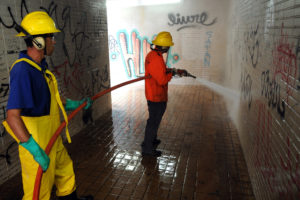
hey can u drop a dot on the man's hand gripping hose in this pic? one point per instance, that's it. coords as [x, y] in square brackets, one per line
[180, 72]
[37, 152]
[36, 191]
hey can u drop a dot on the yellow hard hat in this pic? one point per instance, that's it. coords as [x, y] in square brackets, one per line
[38, 23]
[163, 39]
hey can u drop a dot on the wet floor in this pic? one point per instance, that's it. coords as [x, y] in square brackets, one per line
[202, 157]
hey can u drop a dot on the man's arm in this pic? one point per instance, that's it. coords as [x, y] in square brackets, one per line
[157, 69]
[17, 125]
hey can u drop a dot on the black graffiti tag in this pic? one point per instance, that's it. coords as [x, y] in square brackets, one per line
[252, 42]
[297, 60]
[2, 130]
[189, 21]
[271, 91]
[4, 89]
[6, 155]
[13, 21]
[246, 82]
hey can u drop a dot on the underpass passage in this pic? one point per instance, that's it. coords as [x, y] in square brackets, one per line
[201, 153]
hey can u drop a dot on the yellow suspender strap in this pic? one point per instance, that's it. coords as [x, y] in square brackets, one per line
[57, 96]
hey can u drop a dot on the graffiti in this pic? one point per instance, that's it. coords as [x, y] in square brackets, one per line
[113, 47]
[134, 53]
[2, 129]
[4, 89]
[252, 42]
[263, 147]
[6, 155]
[73, 69]
[271, 91]
[70, 76]
[13, 21]
[290, 167]
[189, 21]
[246, 82]
[285, 64]
[78, 36]
[207, 47]
[136, 56]
[298, 61]
[99, 78]
[264, 151]
[12, 46]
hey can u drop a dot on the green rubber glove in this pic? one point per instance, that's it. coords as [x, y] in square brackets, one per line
[72, 105]
[38, 153]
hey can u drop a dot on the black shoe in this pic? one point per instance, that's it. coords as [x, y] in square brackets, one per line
[154, 153]
[89, 197]
[73, 196]
[156, 142]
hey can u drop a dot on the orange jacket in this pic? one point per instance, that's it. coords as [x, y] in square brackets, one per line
[156, 87]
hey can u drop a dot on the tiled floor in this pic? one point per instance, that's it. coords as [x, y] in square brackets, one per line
[202, 158]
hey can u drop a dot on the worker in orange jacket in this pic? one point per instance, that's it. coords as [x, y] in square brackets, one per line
[156, 89]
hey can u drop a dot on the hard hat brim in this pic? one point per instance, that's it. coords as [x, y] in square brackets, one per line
[168, 45]
[21, 34]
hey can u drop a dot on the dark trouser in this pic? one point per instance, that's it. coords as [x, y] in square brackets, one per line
[156, 111]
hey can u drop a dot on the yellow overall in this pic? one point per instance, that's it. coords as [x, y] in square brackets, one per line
[60, 171]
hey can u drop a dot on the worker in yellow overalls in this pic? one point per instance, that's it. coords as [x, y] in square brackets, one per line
[33, 113]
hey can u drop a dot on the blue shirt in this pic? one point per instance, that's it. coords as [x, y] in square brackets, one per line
[29, 90]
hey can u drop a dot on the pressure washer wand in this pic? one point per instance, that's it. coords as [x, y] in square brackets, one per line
[190, 75]
[182, 72]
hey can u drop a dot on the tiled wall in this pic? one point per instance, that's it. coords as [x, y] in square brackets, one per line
[80, 61]
[263, 63]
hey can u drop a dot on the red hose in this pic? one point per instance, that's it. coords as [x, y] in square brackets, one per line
[36, 191]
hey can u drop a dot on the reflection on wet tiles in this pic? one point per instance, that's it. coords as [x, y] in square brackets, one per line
[128, 157]
[170, 169]
[130, 167]
[161, 167]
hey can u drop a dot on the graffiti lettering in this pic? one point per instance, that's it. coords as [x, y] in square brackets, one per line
[263, 148]
[298, 61]
[113, 46]
[6, 155]
[134, 53]
[135, 56]
[271, 91]
[285, 63]
[192, 19]
[207, 47]
[246, 82]
[99, 78]
[4, 89]
[2, 129]
[13, 22]
[252, 42]
[72, 69]
[289, 166]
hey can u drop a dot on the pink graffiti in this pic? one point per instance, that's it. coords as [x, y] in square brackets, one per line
[285, 63]
[135, 56]
[264, 159]
[263, 147]
[71, 77]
